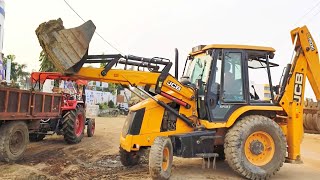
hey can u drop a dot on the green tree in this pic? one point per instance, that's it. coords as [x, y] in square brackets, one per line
[114, 88]
[45, 64]
[111, 104]
[17, 70]
[102, 65]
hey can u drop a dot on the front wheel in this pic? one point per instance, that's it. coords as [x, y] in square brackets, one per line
[160, 158]
[255, 147]
[129, 158]
[14, 138]
[91, 127]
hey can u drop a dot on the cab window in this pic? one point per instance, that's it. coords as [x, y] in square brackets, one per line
[233, 82]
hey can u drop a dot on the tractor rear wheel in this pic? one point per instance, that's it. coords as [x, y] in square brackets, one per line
[129, 158]
[91, 127]
[73, 125]
[34, 137]
[255, 147]
[160, 158]
[14, 138]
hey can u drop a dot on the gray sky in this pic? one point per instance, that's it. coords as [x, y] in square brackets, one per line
[155, 28]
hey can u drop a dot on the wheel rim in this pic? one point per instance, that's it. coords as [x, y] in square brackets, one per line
[79, 125]
[259, 148]
[165, 159]
[16, 142]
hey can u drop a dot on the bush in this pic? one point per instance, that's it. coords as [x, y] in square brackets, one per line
[111, 104]
[103, 106]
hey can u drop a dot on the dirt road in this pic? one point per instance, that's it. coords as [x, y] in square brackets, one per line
[97, 158]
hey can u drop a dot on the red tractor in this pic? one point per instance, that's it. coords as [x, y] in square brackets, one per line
[73, 116]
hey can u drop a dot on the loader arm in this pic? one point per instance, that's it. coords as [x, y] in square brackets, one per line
[67, 49]
[137, 78]
[305, 63]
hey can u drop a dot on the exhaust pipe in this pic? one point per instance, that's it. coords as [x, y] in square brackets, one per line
[66, 48]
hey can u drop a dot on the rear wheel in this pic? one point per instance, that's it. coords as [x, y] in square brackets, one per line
[34, 137]
[255, 147]
[91, 127]
[160, 158]
[14, 138]
[73, 125]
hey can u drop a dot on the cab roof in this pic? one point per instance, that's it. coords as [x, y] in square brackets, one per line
[202, 48]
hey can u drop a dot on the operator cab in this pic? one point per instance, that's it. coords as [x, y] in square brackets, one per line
[228, 77]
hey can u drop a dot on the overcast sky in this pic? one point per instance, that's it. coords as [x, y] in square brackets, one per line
[154, 28]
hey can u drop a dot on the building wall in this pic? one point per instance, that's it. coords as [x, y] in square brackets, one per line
[47, 86]
[92, 97]
[97, 97]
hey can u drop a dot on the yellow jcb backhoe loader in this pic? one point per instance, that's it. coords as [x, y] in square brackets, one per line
[210, 112]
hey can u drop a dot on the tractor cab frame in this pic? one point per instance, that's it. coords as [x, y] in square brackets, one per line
[221, 75]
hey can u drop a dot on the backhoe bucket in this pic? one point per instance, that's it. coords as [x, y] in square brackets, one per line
[66, 48]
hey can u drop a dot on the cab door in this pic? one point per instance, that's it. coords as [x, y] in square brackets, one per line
[225, 91]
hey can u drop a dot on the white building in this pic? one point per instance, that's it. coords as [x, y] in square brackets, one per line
[263, 91]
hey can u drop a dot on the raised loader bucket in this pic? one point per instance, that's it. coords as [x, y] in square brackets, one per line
[66, 48]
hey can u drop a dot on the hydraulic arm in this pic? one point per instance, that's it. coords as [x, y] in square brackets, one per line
[68, 50]
[305, 63]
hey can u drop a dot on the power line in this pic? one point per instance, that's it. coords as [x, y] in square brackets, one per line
[74, 10]
[95, 31]
[314, 15]
[308, 12]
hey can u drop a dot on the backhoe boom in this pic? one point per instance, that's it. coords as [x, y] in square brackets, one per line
[305, 64]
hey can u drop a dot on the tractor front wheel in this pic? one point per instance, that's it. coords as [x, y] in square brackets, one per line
[14, 138]
[91, 127]
[255, 147]
[160, 158]
[73, 125]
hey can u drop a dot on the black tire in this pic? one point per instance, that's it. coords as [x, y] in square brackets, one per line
[14, 138]
[129, 158]
[247, 129]
[73, 132]
[91, 127]
[160, 163]
[115, 113]
[34, 137]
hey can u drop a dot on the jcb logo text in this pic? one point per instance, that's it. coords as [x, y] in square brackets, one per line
[174, 85]
[297, 92]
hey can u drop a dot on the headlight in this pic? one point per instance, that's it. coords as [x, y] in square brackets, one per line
[133, 123]
[127, 123]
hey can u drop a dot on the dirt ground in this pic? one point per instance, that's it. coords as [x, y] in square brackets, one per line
[97, 158]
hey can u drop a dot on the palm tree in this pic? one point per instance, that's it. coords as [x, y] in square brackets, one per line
[46, 65]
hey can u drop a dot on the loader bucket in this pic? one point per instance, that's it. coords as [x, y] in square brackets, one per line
[66, 48]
